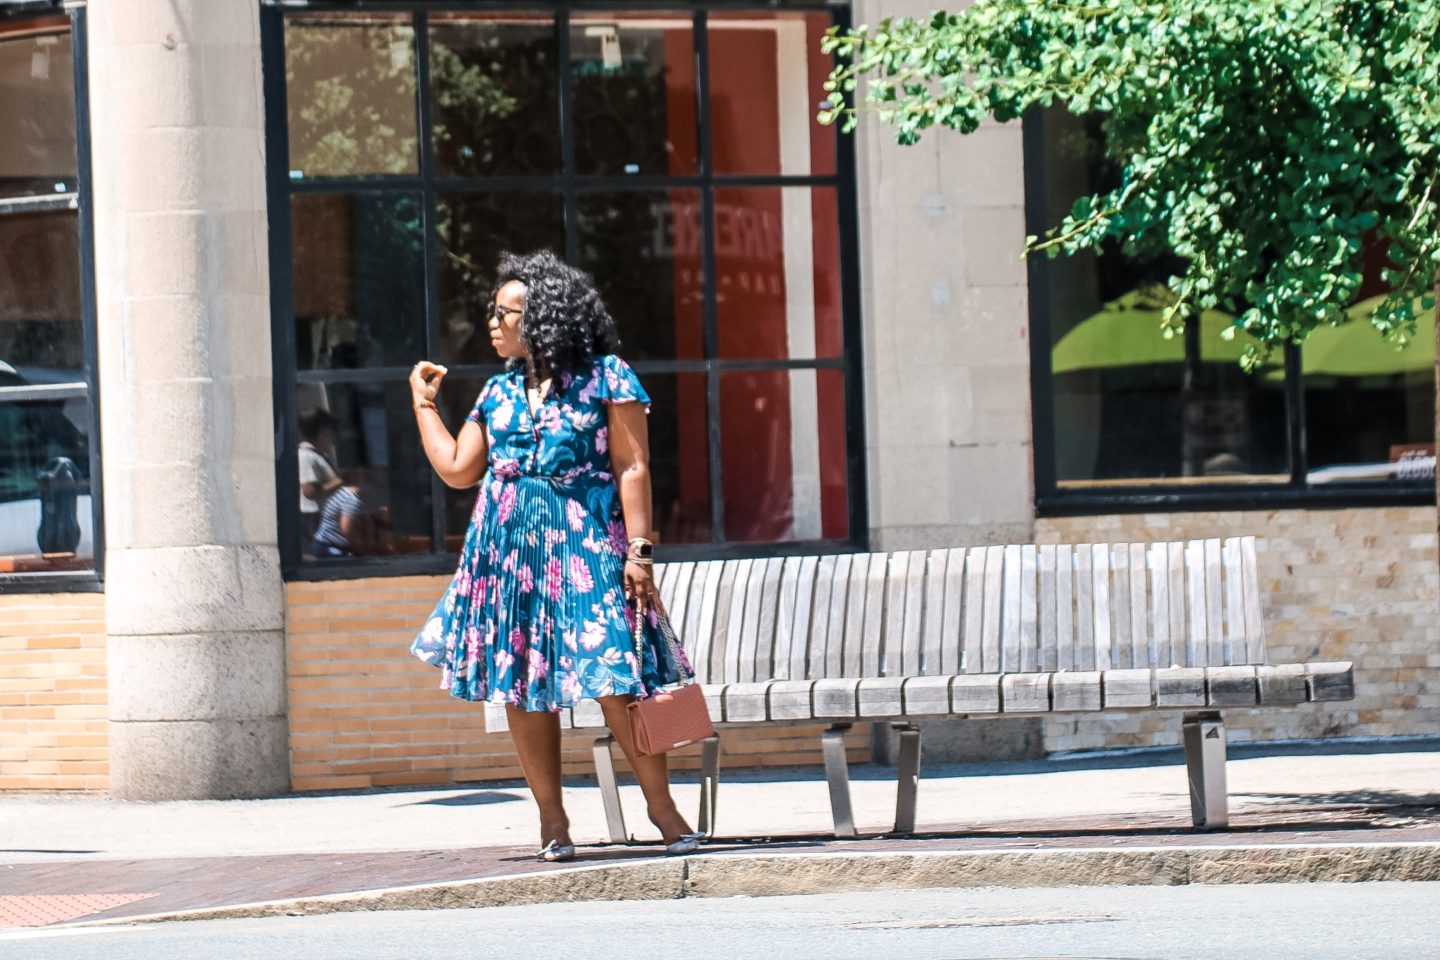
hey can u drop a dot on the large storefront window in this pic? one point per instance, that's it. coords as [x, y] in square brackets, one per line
[1124, 413]
[673, 154]
[48, 516]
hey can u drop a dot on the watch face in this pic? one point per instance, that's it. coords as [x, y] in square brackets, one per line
[646, 550]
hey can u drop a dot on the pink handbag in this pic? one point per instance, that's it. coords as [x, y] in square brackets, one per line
[671, 718]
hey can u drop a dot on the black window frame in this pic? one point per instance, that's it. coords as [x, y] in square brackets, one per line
[280, 188]
[82, 202]
[1052, 500]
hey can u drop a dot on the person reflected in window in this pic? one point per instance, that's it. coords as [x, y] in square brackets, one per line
[318, 479]
[470, 341]
[556, 564]
[352, 524]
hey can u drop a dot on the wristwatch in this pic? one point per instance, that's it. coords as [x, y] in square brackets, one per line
[642, 549]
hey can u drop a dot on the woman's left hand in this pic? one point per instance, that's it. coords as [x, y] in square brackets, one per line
[640, 583]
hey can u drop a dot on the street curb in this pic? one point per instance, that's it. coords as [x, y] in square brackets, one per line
[762, 875]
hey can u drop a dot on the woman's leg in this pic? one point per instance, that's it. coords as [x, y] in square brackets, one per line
[653, 772]
[536, 735]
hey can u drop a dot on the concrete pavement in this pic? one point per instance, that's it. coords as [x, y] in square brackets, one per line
[1374, 808]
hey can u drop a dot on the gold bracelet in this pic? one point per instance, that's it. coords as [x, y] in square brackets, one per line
[425, 405]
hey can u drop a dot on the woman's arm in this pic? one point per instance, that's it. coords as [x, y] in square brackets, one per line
[630, 459]
[460, 461]
[319, 490]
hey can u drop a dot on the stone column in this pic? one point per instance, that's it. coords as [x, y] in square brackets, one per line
[947, 359]
[194, 601]
[946, 314]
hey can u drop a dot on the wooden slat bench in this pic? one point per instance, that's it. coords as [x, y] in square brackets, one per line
[1017, 630]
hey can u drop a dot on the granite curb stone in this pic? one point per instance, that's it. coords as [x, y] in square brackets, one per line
[758, 875]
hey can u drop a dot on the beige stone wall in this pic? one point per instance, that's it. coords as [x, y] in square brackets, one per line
[945, 312]
[1353, 584]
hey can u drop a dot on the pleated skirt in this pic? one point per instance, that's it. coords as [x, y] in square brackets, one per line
[536, 614]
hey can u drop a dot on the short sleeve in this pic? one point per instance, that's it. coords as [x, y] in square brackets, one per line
[306, 464]
[617, 383]
[314, 468]
[481, 412]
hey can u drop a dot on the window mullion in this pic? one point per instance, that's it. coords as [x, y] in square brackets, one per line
[709, 311]
[84, 200]
[429, 242]
[852, 334]
[280, 193]
[1295, 415]
[567, 138]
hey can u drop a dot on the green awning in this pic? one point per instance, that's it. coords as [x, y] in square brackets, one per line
[1126, 333]
[1356, 349]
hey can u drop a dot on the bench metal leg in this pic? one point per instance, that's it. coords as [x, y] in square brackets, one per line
[837, 774]
[709, 784]
[609, 788]
[1204, 735]
[908, 780]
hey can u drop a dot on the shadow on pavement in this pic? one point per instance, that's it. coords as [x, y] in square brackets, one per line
[478, 798]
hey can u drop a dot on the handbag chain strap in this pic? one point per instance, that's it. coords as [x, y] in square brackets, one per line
[669, 634]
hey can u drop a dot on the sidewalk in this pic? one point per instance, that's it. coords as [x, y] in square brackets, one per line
[65, 859]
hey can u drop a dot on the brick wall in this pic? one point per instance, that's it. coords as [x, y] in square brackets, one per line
[53, 733]
[1353, 584]
[364, 713]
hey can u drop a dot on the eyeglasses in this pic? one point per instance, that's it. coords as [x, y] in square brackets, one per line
[499, 312]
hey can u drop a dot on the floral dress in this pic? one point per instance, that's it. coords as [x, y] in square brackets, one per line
[536, 614]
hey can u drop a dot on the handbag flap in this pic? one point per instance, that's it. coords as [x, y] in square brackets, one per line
[670, 719]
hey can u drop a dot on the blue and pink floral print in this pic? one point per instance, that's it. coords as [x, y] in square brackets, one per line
[536, 614]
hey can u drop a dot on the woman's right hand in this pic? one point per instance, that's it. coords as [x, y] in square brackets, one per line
[425, 380]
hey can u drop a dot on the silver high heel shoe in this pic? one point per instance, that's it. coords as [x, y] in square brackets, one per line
[688, 843]
[555, 852]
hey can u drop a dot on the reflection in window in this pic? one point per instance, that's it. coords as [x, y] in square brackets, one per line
[474, 229]
[1370, 406]
[767, 80]
[359, 280]
[373, 482]
[1131, 405]
[785, 459]
[37, 108]
[679, 456]
[493, 94]
[350, 84]
[777, 272]
[643, 249]
[46, 513]
[634, 82]
[737, 333]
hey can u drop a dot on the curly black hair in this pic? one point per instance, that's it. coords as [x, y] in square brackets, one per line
[565, 325]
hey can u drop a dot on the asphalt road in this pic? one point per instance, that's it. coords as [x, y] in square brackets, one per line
[1374, 921]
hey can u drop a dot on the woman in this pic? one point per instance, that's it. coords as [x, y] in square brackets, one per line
[541, 612]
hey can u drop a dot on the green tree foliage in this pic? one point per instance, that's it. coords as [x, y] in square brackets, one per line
[1261, 141]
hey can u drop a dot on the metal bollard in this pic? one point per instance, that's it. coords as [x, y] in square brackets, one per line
[1204, 737]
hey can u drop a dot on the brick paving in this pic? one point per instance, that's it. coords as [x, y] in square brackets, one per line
[34, 894]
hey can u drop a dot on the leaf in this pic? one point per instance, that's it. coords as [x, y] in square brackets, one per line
[1261, 142]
